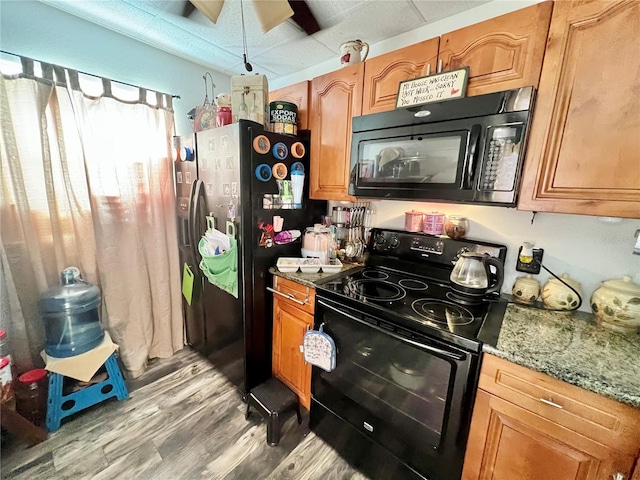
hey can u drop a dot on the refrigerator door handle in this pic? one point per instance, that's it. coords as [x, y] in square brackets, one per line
[198, 186]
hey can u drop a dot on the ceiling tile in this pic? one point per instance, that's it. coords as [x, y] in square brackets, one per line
[290, 57]
[115, 15]
[282, 51]
[169, 37]
[432, 11]
[371, 22]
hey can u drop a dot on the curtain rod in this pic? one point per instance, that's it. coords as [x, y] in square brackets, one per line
[89, 74]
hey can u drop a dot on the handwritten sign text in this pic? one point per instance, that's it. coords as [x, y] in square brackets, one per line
[434, 88]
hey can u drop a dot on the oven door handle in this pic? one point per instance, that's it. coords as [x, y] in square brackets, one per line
[429, 348]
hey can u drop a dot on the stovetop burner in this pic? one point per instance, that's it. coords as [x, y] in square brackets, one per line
[441, 311]
[369, 289]
[413, 284]
[375, 274]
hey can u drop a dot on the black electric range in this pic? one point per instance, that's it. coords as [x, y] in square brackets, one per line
[398, 404]
[406, 281]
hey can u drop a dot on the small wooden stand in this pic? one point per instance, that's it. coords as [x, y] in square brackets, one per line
[21, 427]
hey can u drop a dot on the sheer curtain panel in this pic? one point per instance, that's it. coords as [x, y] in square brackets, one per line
[88, 181]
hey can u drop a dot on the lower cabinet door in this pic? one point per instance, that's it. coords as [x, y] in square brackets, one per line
[289, 327]
[507, 442]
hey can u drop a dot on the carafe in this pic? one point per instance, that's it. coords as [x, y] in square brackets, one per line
[350, 52]
[471, 277]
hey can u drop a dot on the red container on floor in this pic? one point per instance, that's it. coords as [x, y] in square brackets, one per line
[31, 396]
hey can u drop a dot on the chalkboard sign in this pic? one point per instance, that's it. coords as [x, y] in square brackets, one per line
[434, 88]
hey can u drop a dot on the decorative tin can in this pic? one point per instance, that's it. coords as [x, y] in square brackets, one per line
[283, 117]
[434, 223]
[413, 221]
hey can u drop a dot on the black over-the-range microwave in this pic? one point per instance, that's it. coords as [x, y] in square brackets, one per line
[468, 150]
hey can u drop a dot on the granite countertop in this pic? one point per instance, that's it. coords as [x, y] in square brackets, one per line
[572, 348]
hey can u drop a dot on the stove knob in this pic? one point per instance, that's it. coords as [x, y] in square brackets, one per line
[394, 242]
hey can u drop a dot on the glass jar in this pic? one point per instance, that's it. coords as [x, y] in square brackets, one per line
[6, 382]
[456, 227]
[31, 396]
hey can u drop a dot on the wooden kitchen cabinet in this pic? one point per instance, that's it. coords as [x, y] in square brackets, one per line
[336, 98]
[297, 93]
[502, 53]
[584, 148]
[291, 320]
[383, 74]
[527, 425]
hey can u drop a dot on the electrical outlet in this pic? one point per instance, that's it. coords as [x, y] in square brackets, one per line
[534, 265]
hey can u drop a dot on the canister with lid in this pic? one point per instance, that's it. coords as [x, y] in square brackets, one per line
[31, 395]
[413, 221]
[558, 296]
[433, 223]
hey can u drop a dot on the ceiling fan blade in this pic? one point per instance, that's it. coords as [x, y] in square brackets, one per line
[188, 9]
[209, 8]
[272, 12]
[303, 16]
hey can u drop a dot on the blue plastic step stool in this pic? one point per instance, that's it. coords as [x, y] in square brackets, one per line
[61, 406]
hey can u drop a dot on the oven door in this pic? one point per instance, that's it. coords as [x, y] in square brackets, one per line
[409, 393]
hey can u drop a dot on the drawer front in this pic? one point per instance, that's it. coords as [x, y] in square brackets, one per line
[297, 293]
[604, 420]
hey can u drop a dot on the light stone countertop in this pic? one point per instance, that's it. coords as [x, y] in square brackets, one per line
[572, 348]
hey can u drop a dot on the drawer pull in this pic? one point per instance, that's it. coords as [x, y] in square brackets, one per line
[618, 476]
[549, 402]
[289, 296]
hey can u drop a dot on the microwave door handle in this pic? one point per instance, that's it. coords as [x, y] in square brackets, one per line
[474, 146]
[422, 346]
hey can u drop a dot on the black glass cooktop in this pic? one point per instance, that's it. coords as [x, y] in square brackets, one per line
[416, 302]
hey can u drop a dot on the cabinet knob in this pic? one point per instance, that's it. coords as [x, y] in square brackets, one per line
[618, 476]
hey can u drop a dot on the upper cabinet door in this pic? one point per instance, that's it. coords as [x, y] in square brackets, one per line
[584, 147]
[335, 99]
[502, 53]
[383, 74]
[297, 93]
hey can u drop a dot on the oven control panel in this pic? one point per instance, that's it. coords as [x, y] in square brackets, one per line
[419, 248]
[427, 245]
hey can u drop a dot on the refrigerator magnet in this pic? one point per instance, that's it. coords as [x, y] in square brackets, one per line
[279, 171]
[280, 151]
[297, 167]
[261, 144]
[298, 150]
[263, 172]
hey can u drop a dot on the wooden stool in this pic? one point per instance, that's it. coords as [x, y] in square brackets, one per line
[272, 399]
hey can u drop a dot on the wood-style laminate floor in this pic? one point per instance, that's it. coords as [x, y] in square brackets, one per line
[182, 420]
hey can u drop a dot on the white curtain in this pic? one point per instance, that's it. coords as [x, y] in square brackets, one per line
[88, 181]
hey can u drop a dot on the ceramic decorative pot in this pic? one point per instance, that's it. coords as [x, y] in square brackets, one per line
[526, 289]
[350, 52]
[616, 305]
[557, 296]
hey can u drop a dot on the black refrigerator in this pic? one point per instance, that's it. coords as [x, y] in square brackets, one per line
[225, 173]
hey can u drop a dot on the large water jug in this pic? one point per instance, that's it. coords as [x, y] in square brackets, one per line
[70, 313]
